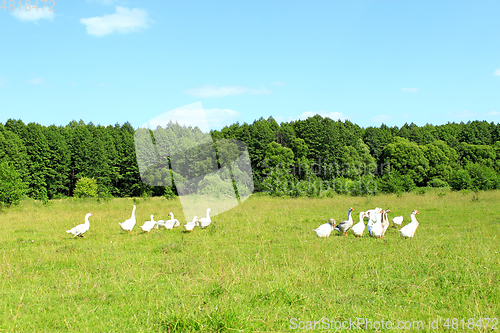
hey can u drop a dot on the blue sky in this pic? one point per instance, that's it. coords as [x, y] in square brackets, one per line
[370, 62]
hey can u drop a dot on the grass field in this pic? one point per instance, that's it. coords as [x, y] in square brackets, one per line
[257, 268]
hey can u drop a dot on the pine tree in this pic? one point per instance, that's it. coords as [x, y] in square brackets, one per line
[59, 163]
[37, 148]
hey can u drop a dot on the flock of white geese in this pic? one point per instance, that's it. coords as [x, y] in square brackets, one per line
[129, 224]
[377, 225]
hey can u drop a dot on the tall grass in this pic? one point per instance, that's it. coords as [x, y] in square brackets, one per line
[255, 268]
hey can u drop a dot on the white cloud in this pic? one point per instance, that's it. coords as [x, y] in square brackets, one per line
[464, 113]
[125, 20]
[381, 118]
[493, 113]
[36, 80]
[218, 118]
[211, 91]
[497, 72]
[194, 115]
[188, 115]
[34, 15]
[410, 89]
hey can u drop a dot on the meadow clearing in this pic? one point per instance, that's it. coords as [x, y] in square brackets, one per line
[258, 268]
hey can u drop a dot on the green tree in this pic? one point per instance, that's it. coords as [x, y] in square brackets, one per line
[357, 161]
[37, 148]
[17, 127]
[395, 182]
[448, 133]
[59, 162]
[325, 139]
[482, 177]
[442, 160]
[460, 179]
[285, 135]
[300, 149]
[476, 133]
[376, 139]
[212, 184]
[483, 154]
[129, 180]
[102, 156]
[279, 162]
[407, 158]
[86, 187]
[257, 137]
[112, 159]
[81, 151]
[12, 150]
[12, 187]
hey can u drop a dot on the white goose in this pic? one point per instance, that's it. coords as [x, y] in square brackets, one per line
[80, 229]
[148, 225]
[371, 218]
[385, 221]
[176, 221]
[159, 223]
[190, 225]
[408, 231]
[359, 228]
[344, 226]
[129, 224]
[397, 221]
[172, 223]
[326, 229]
[205, 221]
[377, 227]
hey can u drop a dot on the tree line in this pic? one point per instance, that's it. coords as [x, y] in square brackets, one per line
[315, 156]
[339, 156]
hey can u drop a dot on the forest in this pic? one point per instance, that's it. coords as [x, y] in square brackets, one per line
[312, 157]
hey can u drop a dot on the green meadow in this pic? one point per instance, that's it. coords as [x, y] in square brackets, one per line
[257, 268]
